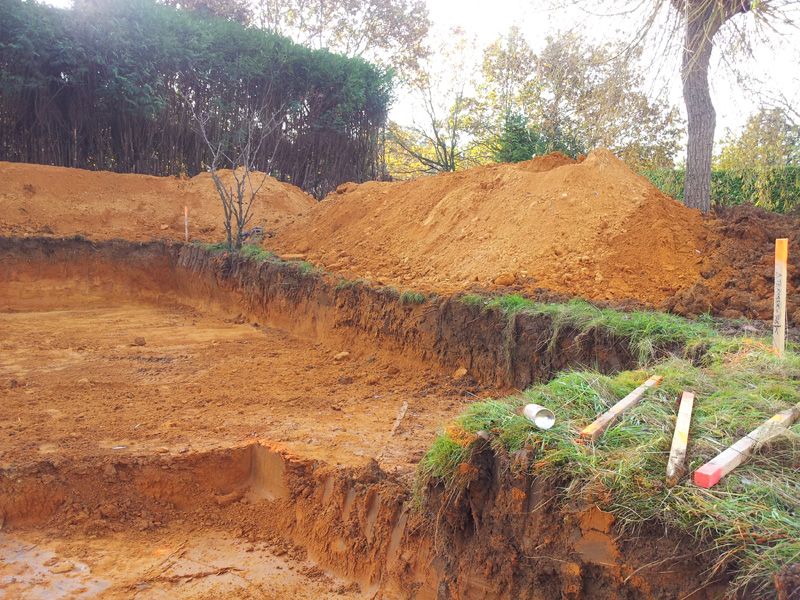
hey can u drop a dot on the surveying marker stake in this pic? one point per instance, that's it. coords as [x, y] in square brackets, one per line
[186, 222]
[779, 310]
[677, 456]
[593, 431]
[710, 473]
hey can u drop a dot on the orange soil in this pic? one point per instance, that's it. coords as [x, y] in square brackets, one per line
[75, 384]
[38, 199]
[179, 561]
[593, 229]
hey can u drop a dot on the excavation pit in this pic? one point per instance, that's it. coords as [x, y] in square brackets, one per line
[184, 423]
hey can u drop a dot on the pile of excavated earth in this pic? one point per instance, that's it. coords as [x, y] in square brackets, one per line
[590, 228]
[45, 200]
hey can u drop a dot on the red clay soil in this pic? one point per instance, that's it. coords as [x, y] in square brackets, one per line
[39, 199]
[89, 373]
[592, 229]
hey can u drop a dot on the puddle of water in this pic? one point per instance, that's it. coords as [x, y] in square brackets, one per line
[29, 572]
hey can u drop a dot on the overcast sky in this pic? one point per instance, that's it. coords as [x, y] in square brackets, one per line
[776, 66]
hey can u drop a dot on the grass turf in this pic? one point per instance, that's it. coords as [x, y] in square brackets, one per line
[752, 517]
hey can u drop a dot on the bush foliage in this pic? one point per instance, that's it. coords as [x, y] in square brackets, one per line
[111, 85]
[777, 190]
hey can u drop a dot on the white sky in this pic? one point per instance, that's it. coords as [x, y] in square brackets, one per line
[777, 66]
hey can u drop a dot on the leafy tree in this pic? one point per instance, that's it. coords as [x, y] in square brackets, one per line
[594, 94]
[234, 10]
[439, 140]
[388, 32]
[111, 84]
[519, 142]
[765, 156]
[574, 96]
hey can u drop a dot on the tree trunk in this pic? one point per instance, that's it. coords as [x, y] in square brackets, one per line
[699, 110]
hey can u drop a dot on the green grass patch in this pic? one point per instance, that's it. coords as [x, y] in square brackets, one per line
[343, 283]
[256, 253]
[305, 268]
[648, 332]
[752, 517]
[409, 297]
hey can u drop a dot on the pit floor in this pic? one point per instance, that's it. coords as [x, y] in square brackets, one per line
[74, 384]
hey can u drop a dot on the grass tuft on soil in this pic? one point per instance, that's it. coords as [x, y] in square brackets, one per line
[410, 297]
[751, 519]
[256, 253]
[648, 332]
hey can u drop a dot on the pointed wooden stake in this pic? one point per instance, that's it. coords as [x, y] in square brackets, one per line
[710, 473]
[677, 457]
[593, 431]
[779, 308]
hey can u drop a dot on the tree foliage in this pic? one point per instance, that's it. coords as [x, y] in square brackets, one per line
[571, 96]
[112, 84]
[520, 141]
[580, 96]
[388, 32]
[760, 165]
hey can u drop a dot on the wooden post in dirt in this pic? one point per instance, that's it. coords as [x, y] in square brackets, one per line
[710, 473]
[779, 310]
[680, 439]
[186, 222]
[593, 431]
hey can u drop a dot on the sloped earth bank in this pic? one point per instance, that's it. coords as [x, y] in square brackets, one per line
[45, 200]
[155, 443]
[592, 229]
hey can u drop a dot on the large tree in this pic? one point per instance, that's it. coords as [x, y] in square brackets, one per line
[695, 27]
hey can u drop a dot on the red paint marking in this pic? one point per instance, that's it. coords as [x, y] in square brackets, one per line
[707, 476]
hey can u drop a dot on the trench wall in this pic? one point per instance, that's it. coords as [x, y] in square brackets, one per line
[497, 351]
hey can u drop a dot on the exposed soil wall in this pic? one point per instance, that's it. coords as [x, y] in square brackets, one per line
[445, 331]
[507, 535]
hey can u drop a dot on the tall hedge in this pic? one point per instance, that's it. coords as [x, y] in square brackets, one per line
[775, 189]
[107, 85]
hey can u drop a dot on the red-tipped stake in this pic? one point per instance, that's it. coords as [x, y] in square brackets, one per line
[593, 431]
[710, 473]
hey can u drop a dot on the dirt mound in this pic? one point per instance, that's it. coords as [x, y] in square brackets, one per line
[40, 199]
[738, 269]
[593, 229]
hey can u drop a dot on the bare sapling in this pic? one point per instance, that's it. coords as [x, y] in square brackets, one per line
[241, 150]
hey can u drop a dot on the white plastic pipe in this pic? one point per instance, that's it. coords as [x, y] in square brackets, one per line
[540, 416]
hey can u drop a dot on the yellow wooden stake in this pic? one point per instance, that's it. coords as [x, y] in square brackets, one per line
[593, 431]
[186, 223]
[677, 456]
[779, 311]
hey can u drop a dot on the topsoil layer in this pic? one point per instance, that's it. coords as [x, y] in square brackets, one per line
[592, 229]
[39, 199]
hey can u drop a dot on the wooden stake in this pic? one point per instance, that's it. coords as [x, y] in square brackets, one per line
[779, 311]
[710, 473]
[186, 222]
[594, 430]
[677, 456]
